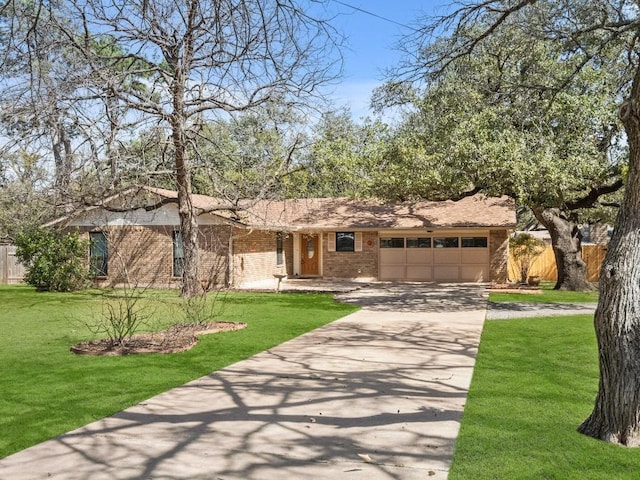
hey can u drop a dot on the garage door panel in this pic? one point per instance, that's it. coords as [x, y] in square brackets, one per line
[420, 273]
[393, 255]
[439, 259]
[474, 273]
[446, 256]
[392, 272]
[446, 273]
[419, 255]
[474, 255]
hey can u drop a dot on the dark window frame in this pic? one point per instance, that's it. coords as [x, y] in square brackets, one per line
[279, 249]
[446, 243]
[98, 258]
[392, 242]
[422, 242]
[342, 242]
[476, 242]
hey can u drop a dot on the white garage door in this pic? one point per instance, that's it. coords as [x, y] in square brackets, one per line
[447, 258]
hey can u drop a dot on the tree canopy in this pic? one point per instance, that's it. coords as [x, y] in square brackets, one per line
[494, 121]
[589, 38]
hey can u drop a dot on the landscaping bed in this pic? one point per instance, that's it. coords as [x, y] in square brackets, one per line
[179, 338]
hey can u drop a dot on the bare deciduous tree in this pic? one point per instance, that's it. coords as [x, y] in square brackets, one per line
[205, 58]
[182, 64]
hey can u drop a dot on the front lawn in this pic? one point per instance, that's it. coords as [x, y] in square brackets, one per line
[548, 295]
[534, 382]
[46, 390]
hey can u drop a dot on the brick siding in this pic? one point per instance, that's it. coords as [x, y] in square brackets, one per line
[255, 256]
[362, 264]
[498, 249]
[143, 255]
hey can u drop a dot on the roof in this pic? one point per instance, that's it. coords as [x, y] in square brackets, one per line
[335, 213]
[332, 213]
[343, 213]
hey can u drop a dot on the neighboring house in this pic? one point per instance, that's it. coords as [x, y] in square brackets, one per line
[135, 238]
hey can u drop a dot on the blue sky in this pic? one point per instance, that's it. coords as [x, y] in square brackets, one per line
[371, 44]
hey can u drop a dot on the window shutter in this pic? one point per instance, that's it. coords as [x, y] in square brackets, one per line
[331, 241]
[358, 245]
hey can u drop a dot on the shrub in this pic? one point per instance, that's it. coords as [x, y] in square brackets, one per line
[54, 261]
[525, 249]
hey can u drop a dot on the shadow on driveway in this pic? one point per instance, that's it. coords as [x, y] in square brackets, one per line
[378, 394]
[418, 297]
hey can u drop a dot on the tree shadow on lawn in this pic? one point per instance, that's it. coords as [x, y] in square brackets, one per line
[381, 399]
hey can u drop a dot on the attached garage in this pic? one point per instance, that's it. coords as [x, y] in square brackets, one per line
[437, 257]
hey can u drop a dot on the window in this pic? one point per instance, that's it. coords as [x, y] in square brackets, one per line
[279, 248]
[445, 242]
[345, 241]
[98, 256]
[178, 254]
[422, 242]
[392, 242]
[474, 242]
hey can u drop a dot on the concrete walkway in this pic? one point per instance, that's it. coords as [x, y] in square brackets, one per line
[378, 394]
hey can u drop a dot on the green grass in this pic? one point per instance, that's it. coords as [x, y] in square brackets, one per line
[46, 390]
[534, 383]
[548, 295]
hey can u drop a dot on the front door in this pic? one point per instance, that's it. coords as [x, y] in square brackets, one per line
[310, 253]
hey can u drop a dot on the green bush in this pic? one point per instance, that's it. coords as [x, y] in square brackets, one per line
[525, 249]
[55, 262]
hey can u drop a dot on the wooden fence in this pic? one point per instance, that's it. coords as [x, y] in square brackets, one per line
[545, 264]
[11, 270]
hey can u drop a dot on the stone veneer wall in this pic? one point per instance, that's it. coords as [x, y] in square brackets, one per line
[362, 264]
[255, 256]
[499, 255]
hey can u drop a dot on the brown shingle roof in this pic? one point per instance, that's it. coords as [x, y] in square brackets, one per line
[334, 213]
[343, 213]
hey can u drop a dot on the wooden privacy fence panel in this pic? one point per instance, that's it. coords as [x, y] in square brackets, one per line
[545, 264]
[11, 270]
[593, 255]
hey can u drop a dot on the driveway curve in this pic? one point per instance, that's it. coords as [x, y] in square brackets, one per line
[375, 395]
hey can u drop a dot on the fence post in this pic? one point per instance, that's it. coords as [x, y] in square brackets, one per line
[4, 264]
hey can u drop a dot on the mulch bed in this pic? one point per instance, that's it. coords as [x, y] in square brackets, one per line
[178, 338]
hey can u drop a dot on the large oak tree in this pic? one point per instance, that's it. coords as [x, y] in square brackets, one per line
[494, 123]
[595, 34]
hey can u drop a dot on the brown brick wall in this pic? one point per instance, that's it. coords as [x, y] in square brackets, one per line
[362, 264]
[255, 256]
[498, 250]
[143, 255]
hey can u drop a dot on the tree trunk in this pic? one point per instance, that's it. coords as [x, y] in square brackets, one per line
[567, 249]
[188, 219]
[616, 414]
[61, 147]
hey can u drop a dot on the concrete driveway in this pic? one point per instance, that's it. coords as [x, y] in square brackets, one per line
[378, 394]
